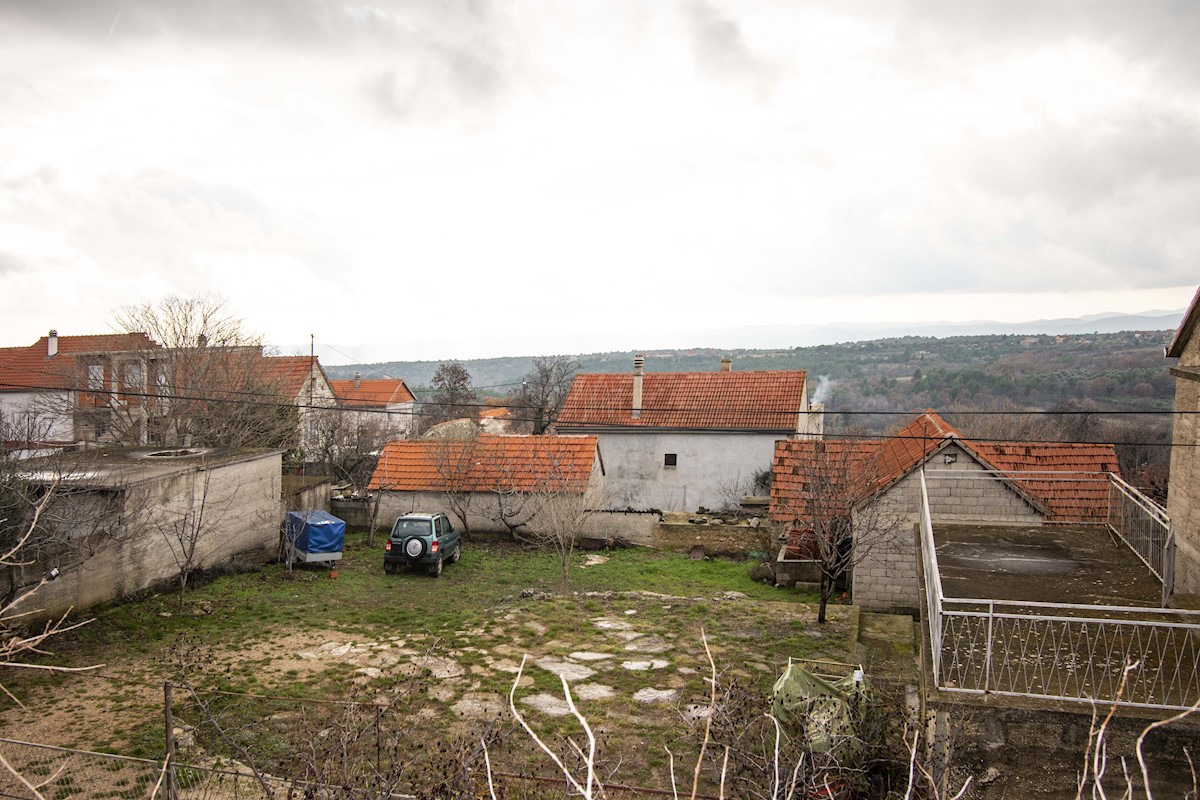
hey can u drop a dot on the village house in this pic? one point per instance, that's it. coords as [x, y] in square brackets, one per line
[384, 403]
[678, 441]
[299, 381]
[66, 389]
[1183, 497]
[874, 482]
[488, 482]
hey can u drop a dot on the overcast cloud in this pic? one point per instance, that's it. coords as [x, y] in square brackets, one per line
[438, 179]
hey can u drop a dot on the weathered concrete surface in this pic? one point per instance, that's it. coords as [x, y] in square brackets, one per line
[1050, 564]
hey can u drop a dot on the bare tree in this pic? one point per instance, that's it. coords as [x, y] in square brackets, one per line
[828, 498]
[535, 405]
[188, 525]
[454, 456]
[559, 503]
[348, 442]
[453, 396]
[33, 536]
[205, 384]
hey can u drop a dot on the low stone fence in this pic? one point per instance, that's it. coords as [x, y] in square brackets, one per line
[732, 538]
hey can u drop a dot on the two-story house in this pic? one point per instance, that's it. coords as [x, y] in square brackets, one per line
[66, 389]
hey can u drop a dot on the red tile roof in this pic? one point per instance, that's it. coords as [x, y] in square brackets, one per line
[1064, 478]
[372, 394]
[768, 400]
[30, 369]
[287, 374]
[487, 463]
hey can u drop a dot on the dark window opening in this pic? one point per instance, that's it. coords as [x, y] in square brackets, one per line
[669, 459]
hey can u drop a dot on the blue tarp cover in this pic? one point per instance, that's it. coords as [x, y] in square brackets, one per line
[315, 531]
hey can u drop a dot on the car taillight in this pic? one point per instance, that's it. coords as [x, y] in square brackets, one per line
[433, 547]
[388, 546]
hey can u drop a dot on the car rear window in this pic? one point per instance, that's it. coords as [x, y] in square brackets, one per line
[409, 527]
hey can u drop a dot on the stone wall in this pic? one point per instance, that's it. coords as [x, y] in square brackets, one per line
[886, 576]
[730, 541]
[1014, 748]
[1183, 500]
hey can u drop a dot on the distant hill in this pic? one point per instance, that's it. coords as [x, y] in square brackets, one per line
[1032, 370]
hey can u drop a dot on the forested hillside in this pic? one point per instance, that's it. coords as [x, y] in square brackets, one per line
[1116, 371]
[1092, 387]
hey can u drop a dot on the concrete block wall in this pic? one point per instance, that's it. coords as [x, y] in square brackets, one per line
[241, 522]
[886, 577]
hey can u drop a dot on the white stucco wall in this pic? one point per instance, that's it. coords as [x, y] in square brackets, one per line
[708, 467]
[45, 414]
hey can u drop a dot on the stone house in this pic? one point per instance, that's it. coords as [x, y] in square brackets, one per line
[678, 441]
[118, 519]
[385, 403]
[874, 483]
[1183, 495]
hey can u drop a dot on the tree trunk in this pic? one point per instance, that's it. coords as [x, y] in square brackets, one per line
[827, 587]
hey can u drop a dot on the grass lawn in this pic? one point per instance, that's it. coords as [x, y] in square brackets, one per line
[432, 660]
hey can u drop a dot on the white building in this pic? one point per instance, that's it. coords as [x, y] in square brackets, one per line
[678, 441]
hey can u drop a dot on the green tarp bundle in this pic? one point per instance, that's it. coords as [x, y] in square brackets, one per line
[824, 712]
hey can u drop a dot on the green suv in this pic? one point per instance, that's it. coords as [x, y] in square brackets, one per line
[421, 540]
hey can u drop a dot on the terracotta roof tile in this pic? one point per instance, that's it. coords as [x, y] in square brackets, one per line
[372, 394]
[752, 400]
[1064, 477]
[288, 374]
[29, 368]
[508, 463]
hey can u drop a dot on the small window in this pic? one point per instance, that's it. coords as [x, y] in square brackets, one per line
[95, 377]
[670, 459]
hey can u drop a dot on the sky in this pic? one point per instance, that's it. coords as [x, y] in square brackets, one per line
[427, 179]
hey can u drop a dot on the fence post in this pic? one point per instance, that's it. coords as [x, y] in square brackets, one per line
[987, 657]
[170, 788]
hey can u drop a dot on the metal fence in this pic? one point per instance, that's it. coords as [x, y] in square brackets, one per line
[1131, 656]
[1146, 657]
[62, 773]
[1145, 527]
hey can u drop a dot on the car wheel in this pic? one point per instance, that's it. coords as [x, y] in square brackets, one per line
[390, 569]
[414, 547]
[457, 555]
[436, 569]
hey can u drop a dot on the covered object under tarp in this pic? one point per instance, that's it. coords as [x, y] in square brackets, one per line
[312, 536]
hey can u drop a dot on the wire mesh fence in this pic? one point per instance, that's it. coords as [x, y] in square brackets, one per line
[63, 773]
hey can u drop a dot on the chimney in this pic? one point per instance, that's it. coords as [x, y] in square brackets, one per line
[638, 361]
[726, 364]
[52, 344]
[356, 380]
